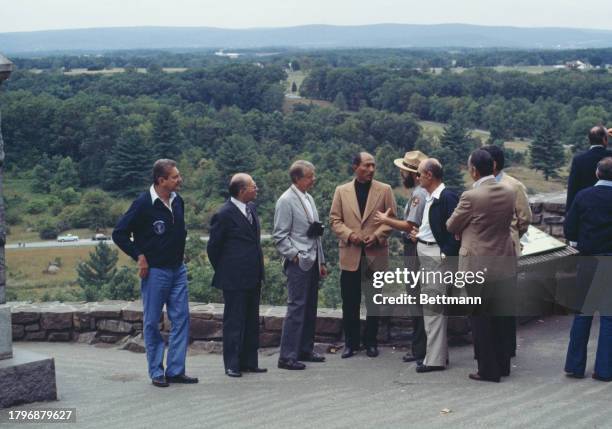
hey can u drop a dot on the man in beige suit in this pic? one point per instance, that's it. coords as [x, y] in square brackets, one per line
[361, 242]
[522, 211]
[520, 220]
[482, 219]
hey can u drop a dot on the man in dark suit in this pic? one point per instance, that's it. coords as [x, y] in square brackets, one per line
[483, 218]
[234, 250]
[589, 222]
[582, 171]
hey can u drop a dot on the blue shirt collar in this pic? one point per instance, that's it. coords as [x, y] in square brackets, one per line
[604, 183]
[499, 176]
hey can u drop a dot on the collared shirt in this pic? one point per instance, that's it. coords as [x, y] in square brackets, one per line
[154, 197]
[425, 232]
[593, 146]
[482, 179]
[499, 177]
[241, 206]
[305, 201]
[603, 183]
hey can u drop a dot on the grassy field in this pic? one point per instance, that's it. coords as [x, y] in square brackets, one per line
[25, 267]
[294, 76]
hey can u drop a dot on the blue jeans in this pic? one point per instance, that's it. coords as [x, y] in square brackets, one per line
[579, 339]
[166, 286]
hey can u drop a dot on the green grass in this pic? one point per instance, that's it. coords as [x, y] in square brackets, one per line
[294, 76]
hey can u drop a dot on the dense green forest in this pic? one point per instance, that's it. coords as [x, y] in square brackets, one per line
[85, 143]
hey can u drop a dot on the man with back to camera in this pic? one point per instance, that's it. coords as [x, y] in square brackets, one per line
[582, 170]
[362, 244]
[297, 236]
[156, 222]
[589, 223]
[234, 251]
[413, 215]
[482, 219]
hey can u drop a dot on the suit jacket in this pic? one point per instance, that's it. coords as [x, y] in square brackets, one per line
[483, 217]
[582, 172]
[589, 220]
[291, 222]
[346, 218]
[439, 212]
[234, 249]
[522, 211]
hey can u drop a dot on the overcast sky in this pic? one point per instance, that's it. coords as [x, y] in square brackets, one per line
[31, 15]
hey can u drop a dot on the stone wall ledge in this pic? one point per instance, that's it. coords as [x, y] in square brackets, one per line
[119, 322]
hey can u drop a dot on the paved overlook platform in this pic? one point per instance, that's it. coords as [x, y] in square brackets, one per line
[109, 388]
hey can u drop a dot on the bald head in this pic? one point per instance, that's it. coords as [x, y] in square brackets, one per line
[604, 169]
[430, 174]
[598, 136]
[243, 187]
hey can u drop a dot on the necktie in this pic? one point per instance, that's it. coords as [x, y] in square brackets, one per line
[249, 215]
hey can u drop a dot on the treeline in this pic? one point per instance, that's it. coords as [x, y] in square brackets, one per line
[408, 58]
[508, 104]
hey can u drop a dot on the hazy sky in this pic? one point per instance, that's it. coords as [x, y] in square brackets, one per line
[29, 15]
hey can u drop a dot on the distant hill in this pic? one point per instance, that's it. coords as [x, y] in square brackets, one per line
[308, 36]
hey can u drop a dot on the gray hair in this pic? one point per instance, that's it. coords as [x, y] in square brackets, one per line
[161, 168]
[604, 169]
[298, 169]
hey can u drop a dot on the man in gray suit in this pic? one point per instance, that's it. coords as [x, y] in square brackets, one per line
[297, 236]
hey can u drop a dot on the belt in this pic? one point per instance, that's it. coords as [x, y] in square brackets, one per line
[427, 243]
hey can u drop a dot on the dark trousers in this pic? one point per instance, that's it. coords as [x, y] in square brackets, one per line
[494, 329]
[240, 328]
[419, 337]
[299, 325]
[576, 359]
[350, 288]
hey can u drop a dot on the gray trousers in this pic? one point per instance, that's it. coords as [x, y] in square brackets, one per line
[433, 315]
[299, 325]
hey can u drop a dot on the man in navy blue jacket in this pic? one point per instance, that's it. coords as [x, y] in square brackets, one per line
[156, 222]
[234, 250]
[582, 171]
[589, 222]
[434, 245]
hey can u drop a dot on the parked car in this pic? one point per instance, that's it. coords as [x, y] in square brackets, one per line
[67, 237]
[100, 237]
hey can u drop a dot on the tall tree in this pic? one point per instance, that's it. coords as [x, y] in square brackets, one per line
[236, 154]
[128, 167]
[457, 139]
[66, 175]
[166, 134]
[95, 273]
[453, 176]
[546, 151]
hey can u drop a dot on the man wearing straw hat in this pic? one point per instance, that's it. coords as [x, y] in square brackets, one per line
[413, 215]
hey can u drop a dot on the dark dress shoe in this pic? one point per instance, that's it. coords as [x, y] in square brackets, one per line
[312, 357]
[477, 377]
[348, 352]
[574, 375]
[159, 382]
[372, 351]
[411, 358]
[182, 379]
[255, 370]
[233, 373]
[426, 368]
[597, 377]
[290, 364]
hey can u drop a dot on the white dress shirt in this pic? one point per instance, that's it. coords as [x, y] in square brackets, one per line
[305, 202]
[425, 232]
[154, 197]
[241, 206]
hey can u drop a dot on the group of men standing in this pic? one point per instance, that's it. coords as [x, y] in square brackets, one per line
[482, 228]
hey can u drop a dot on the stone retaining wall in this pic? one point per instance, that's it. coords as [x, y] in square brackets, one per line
[549, 213]
[114, 322]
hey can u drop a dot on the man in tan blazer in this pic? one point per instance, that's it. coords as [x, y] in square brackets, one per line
[482, 219]
[361, 242]
[522, 211]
